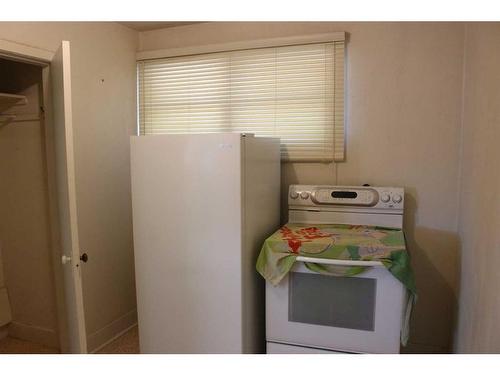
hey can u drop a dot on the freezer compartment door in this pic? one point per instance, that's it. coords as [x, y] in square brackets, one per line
[186, 193]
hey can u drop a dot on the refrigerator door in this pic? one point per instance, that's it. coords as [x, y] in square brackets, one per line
[187, 210]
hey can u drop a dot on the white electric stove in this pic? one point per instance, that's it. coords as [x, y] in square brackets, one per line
[314, 313]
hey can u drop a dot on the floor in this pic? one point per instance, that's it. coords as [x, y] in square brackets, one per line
[11, 345]
[128, 343]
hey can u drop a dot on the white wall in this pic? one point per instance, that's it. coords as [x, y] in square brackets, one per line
[479, 324]
[103, 67]
[404, 85]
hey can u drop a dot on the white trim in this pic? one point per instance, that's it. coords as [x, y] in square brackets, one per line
[241, 45]
[115, 337]
[40, 335]
[74, 250]
[24, 52]
[111, 331]
[50, 156]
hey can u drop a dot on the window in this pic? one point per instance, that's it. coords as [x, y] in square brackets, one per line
[294, 92]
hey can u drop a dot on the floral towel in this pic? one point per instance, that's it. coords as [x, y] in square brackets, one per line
[347, 242]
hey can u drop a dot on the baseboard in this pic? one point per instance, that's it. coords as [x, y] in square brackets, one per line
[108, 333]
[39, 335]
[113, 338]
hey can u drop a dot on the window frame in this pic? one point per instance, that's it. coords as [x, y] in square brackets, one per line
[255, 44]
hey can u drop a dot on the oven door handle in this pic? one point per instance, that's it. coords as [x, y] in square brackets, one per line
[339, 262]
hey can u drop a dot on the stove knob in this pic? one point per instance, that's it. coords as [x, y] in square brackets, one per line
[294, 195]
[385, 197]
[397, 198]
[304, 195]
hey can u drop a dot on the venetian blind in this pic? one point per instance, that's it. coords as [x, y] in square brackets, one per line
[294, 92]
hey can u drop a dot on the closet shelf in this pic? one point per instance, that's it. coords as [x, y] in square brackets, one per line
[6, 102]
[10, 100]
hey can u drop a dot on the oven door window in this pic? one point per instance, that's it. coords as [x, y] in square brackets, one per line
[342, 302]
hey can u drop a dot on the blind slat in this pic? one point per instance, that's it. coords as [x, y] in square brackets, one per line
[293, 92]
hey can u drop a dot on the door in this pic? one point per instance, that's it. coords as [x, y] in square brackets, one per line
[361, 314]
[65, 175]
[186, 204]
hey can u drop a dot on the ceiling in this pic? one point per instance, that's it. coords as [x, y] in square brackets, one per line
[145, 26]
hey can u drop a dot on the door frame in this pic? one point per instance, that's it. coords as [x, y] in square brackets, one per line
[42, 57]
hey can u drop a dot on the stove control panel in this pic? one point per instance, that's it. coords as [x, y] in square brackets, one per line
[360, 196]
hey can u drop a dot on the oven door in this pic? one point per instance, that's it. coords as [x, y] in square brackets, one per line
[359, 314]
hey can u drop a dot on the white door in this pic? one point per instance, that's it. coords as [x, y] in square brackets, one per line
[65, 167]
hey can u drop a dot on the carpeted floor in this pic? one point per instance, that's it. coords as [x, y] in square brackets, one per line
[128, 343]
[11, 345]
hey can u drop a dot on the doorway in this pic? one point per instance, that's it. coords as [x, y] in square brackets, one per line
[47, 76]
[58, 157]
[28, 302]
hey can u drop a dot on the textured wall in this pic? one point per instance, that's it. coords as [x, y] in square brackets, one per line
[104, 89]
[479, 326]
[404, 91]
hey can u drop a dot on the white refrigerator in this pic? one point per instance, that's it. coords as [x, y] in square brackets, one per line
[202, 206]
